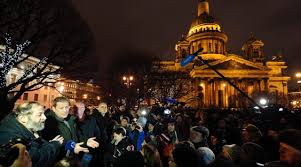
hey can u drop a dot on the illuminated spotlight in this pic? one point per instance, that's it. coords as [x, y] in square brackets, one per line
[143, 112]
[202, 84]
[299, 82]
[224, 85]
[131, 78]
[124, 78]
[263, 101]
[294, 103]
[298, 74]
[167, 111]
[256, 107]
[280, 109]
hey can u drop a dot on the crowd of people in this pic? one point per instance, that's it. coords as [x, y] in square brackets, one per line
[161, 135]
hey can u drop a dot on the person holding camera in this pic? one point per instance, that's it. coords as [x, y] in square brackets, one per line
[25, 124]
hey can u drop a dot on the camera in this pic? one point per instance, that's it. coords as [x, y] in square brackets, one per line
[8, 154]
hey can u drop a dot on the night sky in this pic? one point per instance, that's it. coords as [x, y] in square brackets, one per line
[154, 26]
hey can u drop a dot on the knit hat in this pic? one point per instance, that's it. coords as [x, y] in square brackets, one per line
[291, 137]
[233, 150]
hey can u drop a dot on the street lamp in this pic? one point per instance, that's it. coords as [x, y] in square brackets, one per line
[128, 80]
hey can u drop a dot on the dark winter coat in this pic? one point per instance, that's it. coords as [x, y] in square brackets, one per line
[42, 152]
[102, 123]
[87, 128]
[55, 126]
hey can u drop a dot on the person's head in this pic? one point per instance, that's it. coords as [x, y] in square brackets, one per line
[121, 108]
[198, 134]
[151, 156]
[179, 118]
[150, 126]
[31, 115]
[119, 134]
[184, 156]
[80, 109]
[290, 146]
[251, 133]
[103, 108]
[61, 107]
[221, 124]
[124, 121]
[171, 127]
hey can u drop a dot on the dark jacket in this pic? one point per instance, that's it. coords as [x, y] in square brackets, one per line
[55, 126]
[42, 152]
[121, 147]
[102, 123]
[87, 128]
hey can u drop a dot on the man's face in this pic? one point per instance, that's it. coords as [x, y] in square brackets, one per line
[150, 127]
[103, 108]
[61, 109]
[122, 108]
[117, 136]
[36, 120]
[196, 137]
[171, 127]
[124, 122]
[288, 153]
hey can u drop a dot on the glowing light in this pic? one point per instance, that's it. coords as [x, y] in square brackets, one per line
[263, 101]
[167, 111]
[298, 75]
[204, 27]
[131, 78]
[202, 84]
[224, 85]
[85, 96]
[124, 78]
[98, 97]
[294, 103]
[143, 112]
[280, 109]
[299, 82]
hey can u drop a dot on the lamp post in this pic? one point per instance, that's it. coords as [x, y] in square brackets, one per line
[127, 80]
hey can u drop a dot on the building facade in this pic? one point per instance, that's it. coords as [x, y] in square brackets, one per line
[44, 95]
[251, 71]
[76, 90]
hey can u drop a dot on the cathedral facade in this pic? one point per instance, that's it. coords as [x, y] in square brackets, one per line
[251, 72]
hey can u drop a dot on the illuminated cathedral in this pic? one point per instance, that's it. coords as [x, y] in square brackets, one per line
[251, 72]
